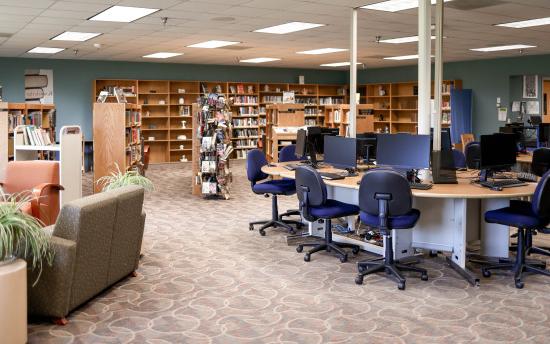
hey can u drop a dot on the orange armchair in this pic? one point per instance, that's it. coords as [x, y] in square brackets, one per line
[41, 179]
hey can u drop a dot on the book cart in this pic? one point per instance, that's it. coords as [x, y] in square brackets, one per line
[212, 145]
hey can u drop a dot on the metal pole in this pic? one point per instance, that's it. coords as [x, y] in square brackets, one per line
[438, 79]
[353, 75]
[424, 66]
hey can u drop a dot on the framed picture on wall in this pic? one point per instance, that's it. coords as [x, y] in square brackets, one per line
[530, 86]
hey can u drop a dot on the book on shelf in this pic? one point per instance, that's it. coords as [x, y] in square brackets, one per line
[33, 136]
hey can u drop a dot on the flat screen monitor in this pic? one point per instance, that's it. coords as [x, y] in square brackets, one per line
[319, 145]
[340, 152]
[315, 138]
[498, 151]
[403, 151]
[301, 143]
[544, 134]
[366, 146]
[446, 144]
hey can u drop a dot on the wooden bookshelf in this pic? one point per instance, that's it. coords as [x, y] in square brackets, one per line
[280, 116]
[395, 105]
[129, 88]
[337, 116]
[117, 138]
[244, 99]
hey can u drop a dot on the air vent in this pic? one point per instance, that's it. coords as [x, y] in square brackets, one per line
[235, 47]
[5, 35]
[373, 57]
[223, 19]
[468, 5]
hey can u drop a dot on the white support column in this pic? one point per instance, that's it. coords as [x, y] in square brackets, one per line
[353, 75]
[438, 78]
[424, 66]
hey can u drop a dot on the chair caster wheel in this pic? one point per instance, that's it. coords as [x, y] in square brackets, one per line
[519, 284]
[250, 227]
[262, 232]
[401, 285]
[486, 273]
[307, 257]
[359, 280]
[344, 258]
[299, 248]
[299, 225]
[360, 268]
[424, 277]
[292, 232]
[355, 250]
[433, 254]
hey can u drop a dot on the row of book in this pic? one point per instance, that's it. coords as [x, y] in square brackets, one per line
[245, 132]
[15, 118]
[306, 100]
[246, 100]
[310, 121]
[134, 155]
[310, 111]
[330, 100]
[248, 110]
[241, 154]
[33, 136]
[133, 135]
[133, 117]
[246, 143]
[245, 122]
[272, 99]
[240, 89]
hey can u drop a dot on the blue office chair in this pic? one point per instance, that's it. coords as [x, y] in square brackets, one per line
[314, 205]
[459, 159]
[255, 160]
[385, 199]
[526, 217]
[472, 151]
[288, 153]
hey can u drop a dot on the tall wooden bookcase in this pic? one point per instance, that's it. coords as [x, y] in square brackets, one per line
[117, 138]
[395, 105]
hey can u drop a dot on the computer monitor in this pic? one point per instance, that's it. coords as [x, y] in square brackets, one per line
[340, 152]
[301, 143]
[403, 151]
[544, 134]
[315, 137]
[366, 146]
[498, 152]
[446, 144]
[517, 131]
[321, 141]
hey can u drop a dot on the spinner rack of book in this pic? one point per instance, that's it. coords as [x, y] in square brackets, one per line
[212, 146]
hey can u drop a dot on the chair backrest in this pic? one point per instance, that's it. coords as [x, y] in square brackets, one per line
[459, 159]
[541, 161]
[541, 198]
[288, 153]
[255, 160]
[472, 151]
[465, 139]
[308, 178]
[385, 183]
[25, 175]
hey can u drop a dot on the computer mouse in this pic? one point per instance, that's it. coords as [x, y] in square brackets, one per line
[497, 188]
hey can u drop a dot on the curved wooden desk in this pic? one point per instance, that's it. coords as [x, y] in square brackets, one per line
[452, 216]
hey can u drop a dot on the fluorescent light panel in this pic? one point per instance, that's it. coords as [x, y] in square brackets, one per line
[75, 36]
[400, 40]
[212, 44]
[395, 5]
[45, 50]
[123, 14]
[321, 51]
[404, 57]
[504, 47]
[337, 64]
[162, 55]
[288, 28]
[260, 60]
[527, 23]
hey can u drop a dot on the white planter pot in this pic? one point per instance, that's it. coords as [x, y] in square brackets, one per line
[13, 302]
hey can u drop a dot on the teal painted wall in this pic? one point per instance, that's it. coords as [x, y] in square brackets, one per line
[488, 79]
[73, 80]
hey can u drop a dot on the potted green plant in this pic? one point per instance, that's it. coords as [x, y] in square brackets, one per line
[118, 179]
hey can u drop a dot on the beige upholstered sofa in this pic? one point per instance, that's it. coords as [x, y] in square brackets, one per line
[97, 241]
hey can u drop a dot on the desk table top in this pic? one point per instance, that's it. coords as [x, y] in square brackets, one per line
[464, 188]
[524, 158]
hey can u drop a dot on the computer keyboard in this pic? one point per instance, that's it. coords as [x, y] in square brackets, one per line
[527, 177]
[292, 167]
[331, 176]
[420, 186]
[502, 183]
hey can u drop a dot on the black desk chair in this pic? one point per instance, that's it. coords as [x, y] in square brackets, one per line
[288, 153]
[385, 199]
[472, 151]
[314, 205]
[526, 217]
[255, 160]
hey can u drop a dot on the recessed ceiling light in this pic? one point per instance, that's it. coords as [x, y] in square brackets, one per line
[260, 60]
[75, 36]
[212, 44]
[404, 57]
[123, 14]
[527, 23]
[337, 64]
[321, 51]
[399, 40]
[395, 5]
[161, 55]
[504, 47]
[288, 28]
[45, 50]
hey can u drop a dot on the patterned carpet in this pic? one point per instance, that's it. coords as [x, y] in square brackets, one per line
[205, 278]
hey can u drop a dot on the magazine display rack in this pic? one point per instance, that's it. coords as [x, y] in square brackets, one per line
[212, 146]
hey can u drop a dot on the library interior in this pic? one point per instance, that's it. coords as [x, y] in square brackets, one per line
[297, 171]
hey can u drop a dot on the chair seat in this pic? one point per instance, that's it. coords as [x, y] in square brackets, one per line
[394, 222]
[275, 187]
[332, 209]
[519, 214]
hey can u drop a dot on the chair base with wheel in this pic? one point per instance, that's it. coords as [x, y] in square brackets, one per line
[328, 246]
[276, 221]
